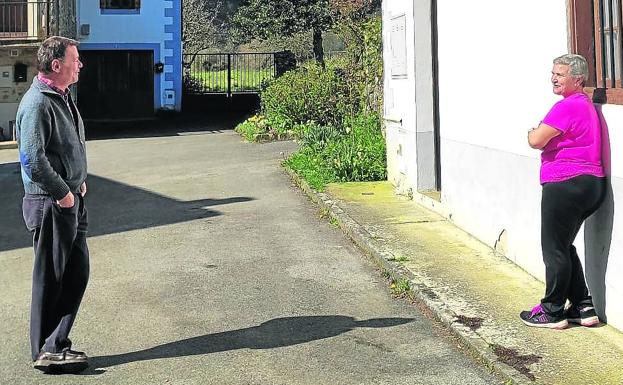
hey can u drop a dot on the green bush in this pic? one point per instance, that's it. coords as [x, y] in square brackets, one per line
[307, 94]
[356, 155]
[364, 61]
[333, 110]
[251, 128]
[311, 166]
[315, 135]
[360, 155]
[191, 85]
[259, 125]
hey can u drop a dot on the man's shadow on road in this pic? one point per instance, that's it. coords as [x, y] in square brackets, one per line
[278, 332]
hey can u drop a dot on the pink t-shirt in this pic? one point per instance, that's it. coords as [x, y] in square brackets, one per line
[577, 150]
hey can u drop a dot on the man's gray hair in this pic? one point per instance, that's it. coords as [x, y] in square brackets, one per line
[578, 67]
[53, 47]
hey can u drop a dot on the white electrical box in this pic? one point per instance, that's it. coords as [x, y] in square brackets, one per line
[6, 76]
[398, 45]
[169, 98]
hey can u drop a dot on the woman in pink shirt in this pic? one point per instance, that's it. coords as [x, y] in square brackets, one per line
[572, 177]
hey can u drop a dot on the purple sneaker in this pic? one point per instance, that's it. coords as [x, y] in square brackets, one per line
[537, 317]
[584, 315]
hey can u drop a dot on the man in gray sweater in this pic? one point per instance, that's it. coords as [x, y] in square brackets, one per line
[50, 135]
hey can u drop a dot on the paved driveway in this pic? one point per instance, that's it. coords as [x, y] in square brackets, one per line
[209, 267]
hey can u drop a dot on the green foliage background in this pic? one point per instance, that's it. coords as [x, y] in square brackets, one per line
[334, 111]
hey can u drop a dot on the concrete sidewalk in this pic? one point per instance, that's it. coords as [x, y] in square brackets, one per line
[477, 293]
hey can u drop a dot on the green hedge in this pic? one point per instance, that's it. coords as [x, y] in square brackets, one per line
[357, 155]
[334, 111]
[308, 94]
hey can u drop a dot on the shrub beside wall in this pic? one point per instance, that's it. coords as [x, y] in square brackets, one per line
[334, 112]
[356, 155]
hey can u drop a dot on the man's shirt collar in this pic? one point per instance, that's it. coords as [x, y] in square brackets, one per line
[47, 81]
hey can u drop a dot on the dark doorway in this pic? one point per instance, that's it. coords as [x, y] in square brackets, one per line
[116, 84]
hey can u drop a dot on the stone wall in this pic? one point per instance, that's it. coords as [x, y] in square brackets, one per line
[12, 94]
[25, 55]
[63, 23]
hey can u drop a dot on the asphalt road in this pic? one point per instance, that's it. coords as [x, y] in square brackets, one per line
[209, 267]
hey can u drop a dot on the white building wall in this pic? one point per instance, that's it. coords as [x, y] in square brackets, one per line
[495, 60]
[494, 86]
[399, 98]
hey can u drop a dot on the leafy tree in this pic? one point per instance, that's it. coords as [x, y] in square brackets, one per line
[263, 19]
[354, 9]
[204, 24]
[358, 23]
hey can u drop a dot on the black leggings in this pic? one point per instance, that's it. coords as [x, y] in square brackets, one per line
[564, 207]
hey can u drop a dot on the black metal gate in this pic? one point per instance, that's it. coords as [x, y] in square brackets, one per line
[229, 73]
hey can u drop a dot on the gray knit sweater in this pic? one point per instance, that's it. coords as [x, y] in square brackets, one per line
[51, 142]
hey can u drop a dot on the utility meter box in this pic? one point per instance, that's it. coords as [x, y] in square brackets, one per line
[6, 76]
[169, 98]
[21, 73]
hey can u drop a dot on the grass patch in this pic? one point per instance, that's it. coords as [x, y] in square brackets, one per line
[249, 130]
[386, 275]
[311, 168]
[259, 127]
[216, 81]
[400, 258]
[401, 287]
[323, 213]
[330, 154]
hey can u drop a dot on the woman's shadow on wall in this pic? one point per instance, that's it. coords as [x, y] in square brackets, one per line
[598, 232]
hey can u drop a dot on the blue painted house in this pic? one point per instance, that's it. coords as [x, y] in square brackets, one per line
[131, 50]
[132, 55]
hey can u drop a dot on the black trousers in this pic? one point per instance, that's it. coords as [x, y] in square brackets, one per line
[564, 207]
[60, 271]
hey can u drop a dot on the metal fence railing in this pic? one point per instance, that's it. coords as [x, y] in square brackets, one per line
[228, 73]
[608, 44]
[27, 19]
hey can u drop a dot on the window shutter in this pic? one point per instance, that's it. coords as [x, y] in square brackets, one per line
[137, 4]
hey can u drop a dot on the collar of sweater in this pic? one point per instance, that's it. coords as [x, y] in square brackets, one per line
[50, 83]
